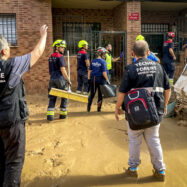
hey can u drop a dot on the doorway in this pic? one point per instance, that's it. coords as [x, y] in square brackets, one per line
[118, 41]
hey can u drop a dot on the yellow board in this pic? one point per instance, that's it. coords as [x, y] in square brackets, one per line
[68, 95]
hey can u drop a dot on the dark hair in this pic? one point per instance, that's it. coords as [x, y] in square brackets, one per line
[107, 44]
[140, 48]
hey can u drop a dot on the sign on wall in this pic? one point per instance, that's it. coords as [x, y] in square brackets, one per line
[134, 16]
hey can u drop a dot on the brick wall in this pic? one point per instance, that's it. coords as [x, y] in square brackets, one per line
[166, 17]
[133, 27]
[30, 15]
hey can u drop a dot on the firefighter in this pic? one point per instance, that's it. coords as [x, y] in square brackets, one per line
[151, 56]
[97, 75]
[82, 67]
[169, 56]
[58, 79]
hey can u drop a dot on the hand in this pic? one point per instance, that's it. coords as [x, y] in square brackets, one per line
[43, 30]
[174, 58]
[108, 82]
[117, 113]
[165, 111]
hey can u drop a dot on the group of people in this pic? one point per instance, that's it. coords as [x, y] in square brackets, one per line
[89, 75]
[13, 108]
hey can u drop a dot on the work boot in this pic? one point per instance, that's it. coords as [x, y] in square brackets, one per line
[132, 172]
[50, 118]
[50, 115]
[160, 175]
[63, 114]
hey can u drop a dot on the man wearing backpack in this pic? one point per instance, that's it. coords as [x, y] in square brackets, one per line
[137, 76]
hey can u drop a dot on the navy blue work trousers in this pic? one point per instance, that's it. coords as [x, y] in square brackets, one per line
[12, 153]
[82, 79]
[59, 84]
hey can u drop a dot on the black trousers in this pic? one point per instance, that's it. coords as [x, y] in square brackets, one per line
[94, 86]
[12, 153]
[60, 84]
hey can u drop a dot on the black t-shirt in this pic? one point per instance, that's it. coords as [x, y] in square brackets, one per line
[141, 74]
[56, 61]
[81, 64]
[167, 57]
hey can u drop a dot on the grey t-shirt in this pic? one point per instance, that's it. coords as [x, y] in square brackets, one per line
[20, 66]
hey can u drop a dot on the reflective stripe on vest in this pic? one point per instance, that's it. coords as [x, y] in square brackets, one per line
[108, 61]
[151, 89]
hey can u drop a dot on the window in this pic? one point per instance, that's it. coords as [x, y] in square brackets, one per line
[8, 28]
[155, 28]
[74, 32]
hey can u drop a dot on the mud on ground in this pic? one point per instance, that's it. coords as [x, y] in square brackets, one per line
[91, 149]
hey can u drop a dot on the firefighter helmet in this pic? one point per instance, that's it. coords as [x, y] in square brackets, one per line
[140, 37]
[171, 35]
[101, 51]
[82, 43]
[59, 43]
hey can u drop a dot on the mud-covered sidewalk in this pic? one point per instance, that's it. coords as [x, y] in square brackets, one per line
[91, 149]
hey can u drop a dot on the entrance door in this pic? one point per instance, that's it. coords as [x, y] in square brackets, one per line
[155, 42]
[118, 41]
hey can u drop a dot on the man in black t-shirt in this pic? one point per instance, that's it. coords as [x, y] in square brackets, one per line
[141, 74]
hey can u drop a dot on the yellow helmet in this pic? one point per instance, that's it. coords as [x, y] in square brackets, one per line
[140, 37]
[82, 43]
[59, 43]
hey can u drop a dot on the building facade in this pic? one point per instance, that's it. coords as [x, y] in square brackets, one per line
[98, 22]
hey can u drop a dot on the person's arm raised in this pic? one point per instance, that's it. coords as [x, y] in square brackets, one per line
[39, 48]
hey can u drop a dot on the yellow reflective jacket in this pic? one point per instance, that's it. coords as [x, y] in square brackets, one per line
[109, 61]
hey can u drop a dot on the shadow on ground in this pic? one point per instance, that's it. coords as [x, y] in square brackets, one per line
[87, 181]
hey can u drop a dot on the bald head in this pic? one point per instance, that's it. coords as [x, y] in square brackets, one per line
[141, 48]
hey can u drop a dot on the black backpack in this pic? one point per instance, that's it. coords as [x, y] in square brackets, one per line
[140, 108]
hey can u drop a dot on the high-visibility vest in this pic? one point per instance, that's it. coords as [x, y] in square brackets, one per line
[109, 61]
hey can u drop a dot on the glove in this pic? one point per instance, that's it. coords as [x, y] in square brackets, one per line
[108, 82]
[121, 55]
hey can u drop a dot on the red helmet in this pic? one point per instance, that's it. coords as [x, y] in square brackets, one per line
[171, 34]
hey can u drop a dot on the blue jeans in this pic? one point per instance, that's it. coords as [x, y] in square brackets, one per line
[151, 136]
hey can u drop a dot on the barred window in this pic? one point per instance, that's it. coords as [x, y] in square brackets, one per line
[8, 28]
[74, 32]
[154, 28]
